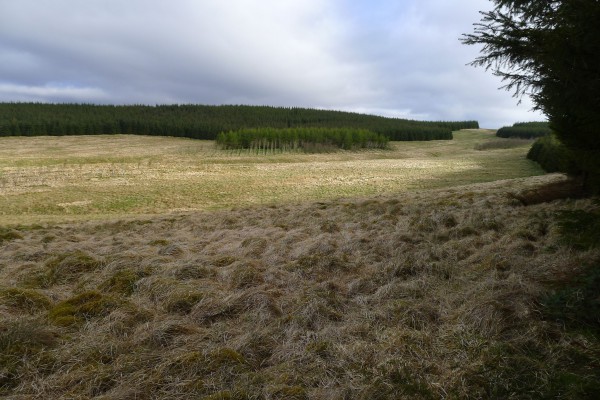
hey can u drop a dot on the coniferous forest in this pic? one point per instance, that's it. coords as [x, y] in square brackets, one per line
[306, 139]
[525, 130]
[202, 121]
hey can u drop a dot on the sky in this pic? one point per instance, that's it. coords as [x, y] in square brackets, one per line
[396, 58]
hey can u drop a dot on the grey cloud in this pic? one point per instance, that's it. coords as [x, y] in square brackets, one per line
[387, 57]
[50, 93]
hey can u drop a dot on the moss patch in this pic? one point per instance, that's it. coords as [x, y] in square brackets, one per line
[82, 307]
[25, 300]
[122, 282]
[66, 267]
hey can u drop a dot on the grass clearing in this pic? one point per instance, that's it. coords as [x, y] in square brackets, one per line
[53, 179]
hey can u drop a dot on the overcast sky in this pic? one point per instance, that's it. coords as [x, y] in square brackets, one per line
[399, 58]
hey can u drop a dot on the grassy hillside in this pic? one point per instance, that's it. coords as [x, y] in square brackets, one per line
[136, 267]
[83, 177]
[449, 293]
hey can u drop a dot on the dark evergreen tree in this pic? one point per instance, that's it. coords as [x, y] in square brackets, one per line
[550, 50]
[524, 130]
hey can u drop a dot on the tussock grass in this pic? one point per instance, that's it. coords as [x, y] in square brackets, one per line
[459, 292]
[8, 234]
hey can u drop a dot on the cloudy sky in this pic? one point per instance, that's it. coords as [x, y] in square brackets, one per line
[399, 58]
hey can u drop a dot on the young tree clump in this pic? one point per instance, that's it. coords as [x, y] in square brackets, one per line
[550, 50]
[305, 139]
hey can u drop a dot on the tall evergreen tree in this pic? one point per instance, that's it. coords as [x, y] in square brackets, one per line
[550, 50]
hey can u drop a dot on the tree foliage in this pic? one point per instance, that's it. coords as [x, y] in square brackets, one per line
[202, 121]
[552, 155]
[550, 50]
[524, 130]
[305, 139]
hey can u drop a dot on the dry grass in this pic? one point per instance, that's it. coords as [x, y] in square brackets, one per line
[422, 294]
[352, 275]
[54, 179]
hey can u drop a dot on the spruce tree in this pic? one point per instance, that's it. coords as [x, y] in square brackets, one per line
[550, 50]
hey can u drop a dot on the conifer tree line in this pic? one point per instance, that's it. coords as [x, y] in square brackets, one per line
[525, 130]
[305, 139]
[202, 121]
[550, 51]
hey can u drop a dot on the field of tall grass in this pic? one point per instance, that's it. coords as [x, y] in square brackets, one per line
[99, 177]
[436, 282]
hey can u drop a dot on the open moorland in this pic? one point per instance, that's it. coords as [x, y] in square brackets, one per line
[140, 268]
[98, 177]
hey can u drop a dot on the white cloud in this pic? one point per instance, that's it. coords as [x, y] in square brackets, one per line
[13, 92]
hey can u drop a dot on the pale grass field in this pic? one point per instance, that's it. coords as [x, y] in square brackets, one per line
[99, 177]
[413, 273]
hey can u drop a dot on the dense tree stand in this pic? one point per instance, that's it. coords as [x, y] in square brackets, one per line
[550, 50]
